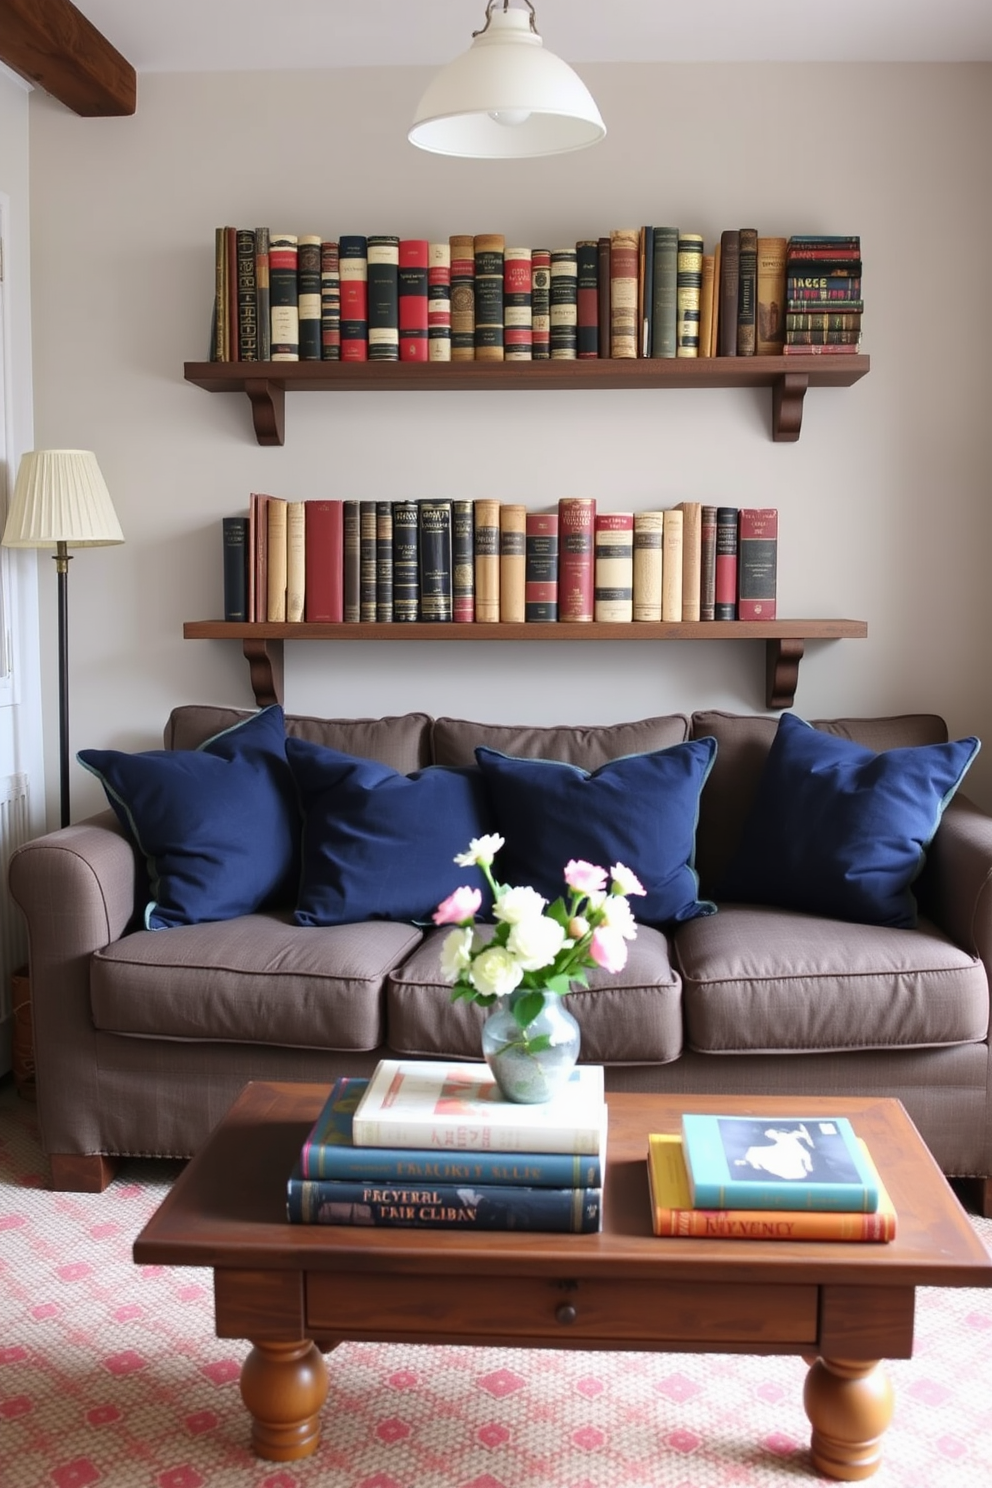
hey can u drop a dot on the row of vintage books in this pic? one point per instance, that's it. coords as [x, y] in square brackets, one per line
[427, 1144]
[360, 561]
[632, 292]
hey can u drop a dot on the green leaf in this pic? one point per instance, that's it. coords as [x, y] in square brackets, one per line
[526, 1008]
[539, 1044]
[558, 984]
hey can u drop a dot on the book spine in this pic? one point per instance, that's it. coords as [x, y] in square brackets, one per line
[730, 258]
[247, 296]
[645, 292]
[234, 531]
[649, 528]
[603, 293]
[441, 1206]
[352, 561]
[707, 564]
[439, 302]
[815, 287]
[462, 250]
[707, 292]
[463, 560]
[564, 305]
[823, 338]
[277, 560]
[435, 560]
[220, 345]
[263, 305]
[285, 310]
[518, 332]
[296, 561]
[258, 517]
[692, 538]
[714, 347]
[831, 349]
[823, 320]
[489, 249]
[308, 297]
[801, 244]
[587, 298]
[747, 297]
[231, 250]
[367, 561]
[486, 560]
[770, 326]
[624, 255]
[540, 304]
[353, 268]
[541, 568]
[330, 302]
[671, 566]
[324, 561]
[465, 1137]
[666, 250]
[384, 561]
[688, 289]
[576, 572]
[725, 595]
[384, 311]
[414, 256]
[406, 561]
[512, 561]
[613, 589]
[757, 563]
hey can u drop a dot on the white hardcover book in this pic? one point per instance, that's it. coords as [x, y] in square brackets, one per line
[459, 1107]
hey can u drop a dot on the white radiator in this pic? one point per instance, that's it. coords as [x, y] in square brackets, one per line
[14, 831]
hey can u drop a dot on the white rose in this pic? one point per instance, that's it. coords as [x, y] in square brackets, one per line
[536, 943]
[480, 850]
[494, 972]
[455, 952]
[516, 905]
[617, 914]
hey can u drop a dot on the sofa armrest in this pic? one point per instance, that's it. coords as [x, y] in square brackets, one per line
[955, 888]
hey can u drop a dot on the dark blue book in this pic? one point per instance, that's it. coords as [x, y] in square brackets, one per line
[328, 1153]
[774, 1162]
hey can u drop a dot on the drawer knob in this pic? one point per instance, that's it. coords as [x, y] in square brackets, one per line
[566, 1313]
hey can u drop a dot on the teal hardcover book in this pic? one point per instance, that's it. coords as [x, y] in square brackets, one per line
[772, 1162]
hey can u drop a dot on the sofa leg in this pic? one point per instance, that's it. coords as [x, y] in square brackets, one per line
[74, 1173]
[984, 1197]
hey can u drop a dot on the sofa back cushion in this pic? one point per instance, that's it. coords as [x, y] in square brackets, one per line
[743, 742]
[403, 742]
[454, 740]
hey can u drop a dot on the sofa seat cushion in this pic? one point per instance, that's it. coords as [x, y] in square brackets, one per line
[630, 1017]
[759, 980]
[259, 979]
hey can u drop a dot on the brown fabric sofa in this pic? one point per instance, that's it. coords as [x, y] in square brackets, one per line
[142, 1039]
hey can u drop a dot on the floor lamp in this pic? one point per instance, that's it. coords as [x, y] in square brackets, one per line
[61, 501]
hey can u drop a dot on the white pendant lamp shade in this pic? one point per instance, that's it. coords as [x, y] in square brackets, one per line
[506, 98]
[61, 496]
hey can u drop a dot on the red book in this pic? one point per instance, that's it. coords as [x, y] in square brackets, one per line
[587, 298]
[576, 540]
[324, 561]
[518, 327]
[541, 570]
[757, 563]
[725, 604]
[413, 299]
[258, 542]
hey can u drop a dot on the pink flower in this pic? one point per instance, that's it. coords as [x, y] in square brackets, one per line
[608, 948]
[584, 877]
[460, 906]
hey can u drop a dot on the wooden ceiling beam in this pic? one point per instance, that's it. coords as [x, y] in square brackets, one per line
[52, 44]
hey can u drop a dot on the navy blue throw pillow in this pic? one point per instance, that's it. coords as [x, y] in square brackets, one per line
[378, 845]
[640, 810]
[218, 827]
[840, 831]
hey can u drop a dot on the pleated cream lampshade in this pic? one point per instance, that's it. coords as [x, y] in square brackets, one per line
[61, 496]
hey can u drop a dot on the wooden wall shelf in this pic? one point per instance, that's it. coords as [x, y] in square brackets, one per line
[784, 641]
[266, 383]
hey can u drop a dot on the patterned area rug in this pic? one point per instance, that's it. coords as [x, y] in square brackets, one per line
[110, 1375]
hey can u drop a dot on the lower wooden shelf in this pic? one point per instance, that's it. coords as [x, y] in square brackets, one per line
[784, 640]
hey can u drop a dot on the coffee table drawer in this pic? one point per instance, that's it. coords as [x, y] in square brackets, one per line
[359, 1306]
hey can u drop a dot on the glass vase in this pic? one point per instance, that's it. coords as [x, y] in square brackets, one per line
[530, 1063]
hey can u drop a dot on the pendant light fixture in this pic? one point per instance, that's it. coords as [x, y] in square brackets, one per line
[506, 98]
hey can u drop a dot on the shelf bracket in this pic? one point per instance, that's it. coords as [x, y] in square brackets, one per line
[782, 658]
[788, 392]
[265, 666]
[268, 409]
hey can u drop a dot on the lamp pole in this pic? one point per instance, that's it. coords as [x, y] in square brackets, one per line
[62, 557]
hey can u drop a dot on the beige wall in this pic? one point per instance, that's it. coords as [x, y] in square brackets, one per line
[884, 502]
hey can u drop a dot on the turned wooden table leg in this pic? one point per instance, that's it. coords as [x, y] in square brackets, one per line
[849, 1405]
[284, 1386]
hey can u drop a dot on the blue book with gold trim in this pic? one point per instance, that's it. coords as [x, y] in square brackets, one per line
[776, 1162]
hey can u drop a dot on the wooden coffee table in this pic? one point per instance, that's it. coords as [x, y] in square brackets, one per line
[298, 1290]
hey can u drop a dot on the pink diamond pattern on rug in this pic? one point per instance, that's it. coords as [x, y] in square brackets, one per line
[45, 1310]
[677, 1387]
[17, 1405]
[770, 1392]
[12, 1221]
[588, 1438]
[75, 1272]
[125, 1362]
[392, 1430]
[222, 1371]
[951, 1447]
[402, 1380]
[77, 1474]
[682, 1441]
[782, 1446]
[929, 1392]
[590, 1387]
[484, 1482]
[103, 1415]
[501, 1382]
[201, 1421]
[493, 1435]
[180, 1477]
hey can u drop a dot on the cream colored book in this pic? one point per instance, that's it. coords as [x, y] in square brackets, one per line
[770, 297]
[276, 603]
[692, 534]
[671, 566]
[649, 527]
[613, 592]
[296, 559]
[512, 561]
[487, 560]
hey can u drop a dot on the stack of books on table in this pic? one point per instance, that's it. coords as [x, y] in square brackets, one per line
[767, 1178]
[823, 295]
[434, 1145]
